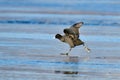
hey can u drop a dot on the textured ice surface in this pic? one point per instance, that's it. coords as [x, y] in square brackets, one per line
[28, 50]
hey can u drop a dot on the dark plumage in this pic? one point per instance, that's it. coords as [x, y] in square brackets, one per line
[74, 29]
[71, 36]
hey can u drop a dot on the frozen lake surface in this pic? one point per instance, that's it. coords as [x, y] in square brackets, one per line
[28, 50]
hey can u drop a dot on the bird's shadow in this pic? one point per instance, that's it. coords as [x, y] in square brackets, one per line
[71, 66]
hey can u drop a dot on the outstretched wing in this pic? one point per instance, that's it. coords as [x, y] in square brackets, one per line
[77, 25]
[73, 30]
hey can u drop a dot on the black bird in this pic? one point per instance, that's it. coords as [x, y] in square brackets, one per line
[72, 36]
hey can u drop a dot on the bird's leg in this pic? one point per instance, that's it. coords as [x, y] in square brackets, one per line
[86, 48]
[68, 51]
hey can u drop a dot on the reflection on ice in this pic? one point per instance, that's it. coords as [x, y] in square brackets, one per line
[74, 59]
[70, 69]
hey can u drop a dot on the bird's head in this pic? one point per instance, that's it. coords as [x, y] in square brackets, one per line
[58, 36]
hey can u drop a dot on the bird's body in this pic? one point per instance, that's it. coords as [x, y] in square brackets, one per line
[68, 40]
[71, 41]
[71, 36]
